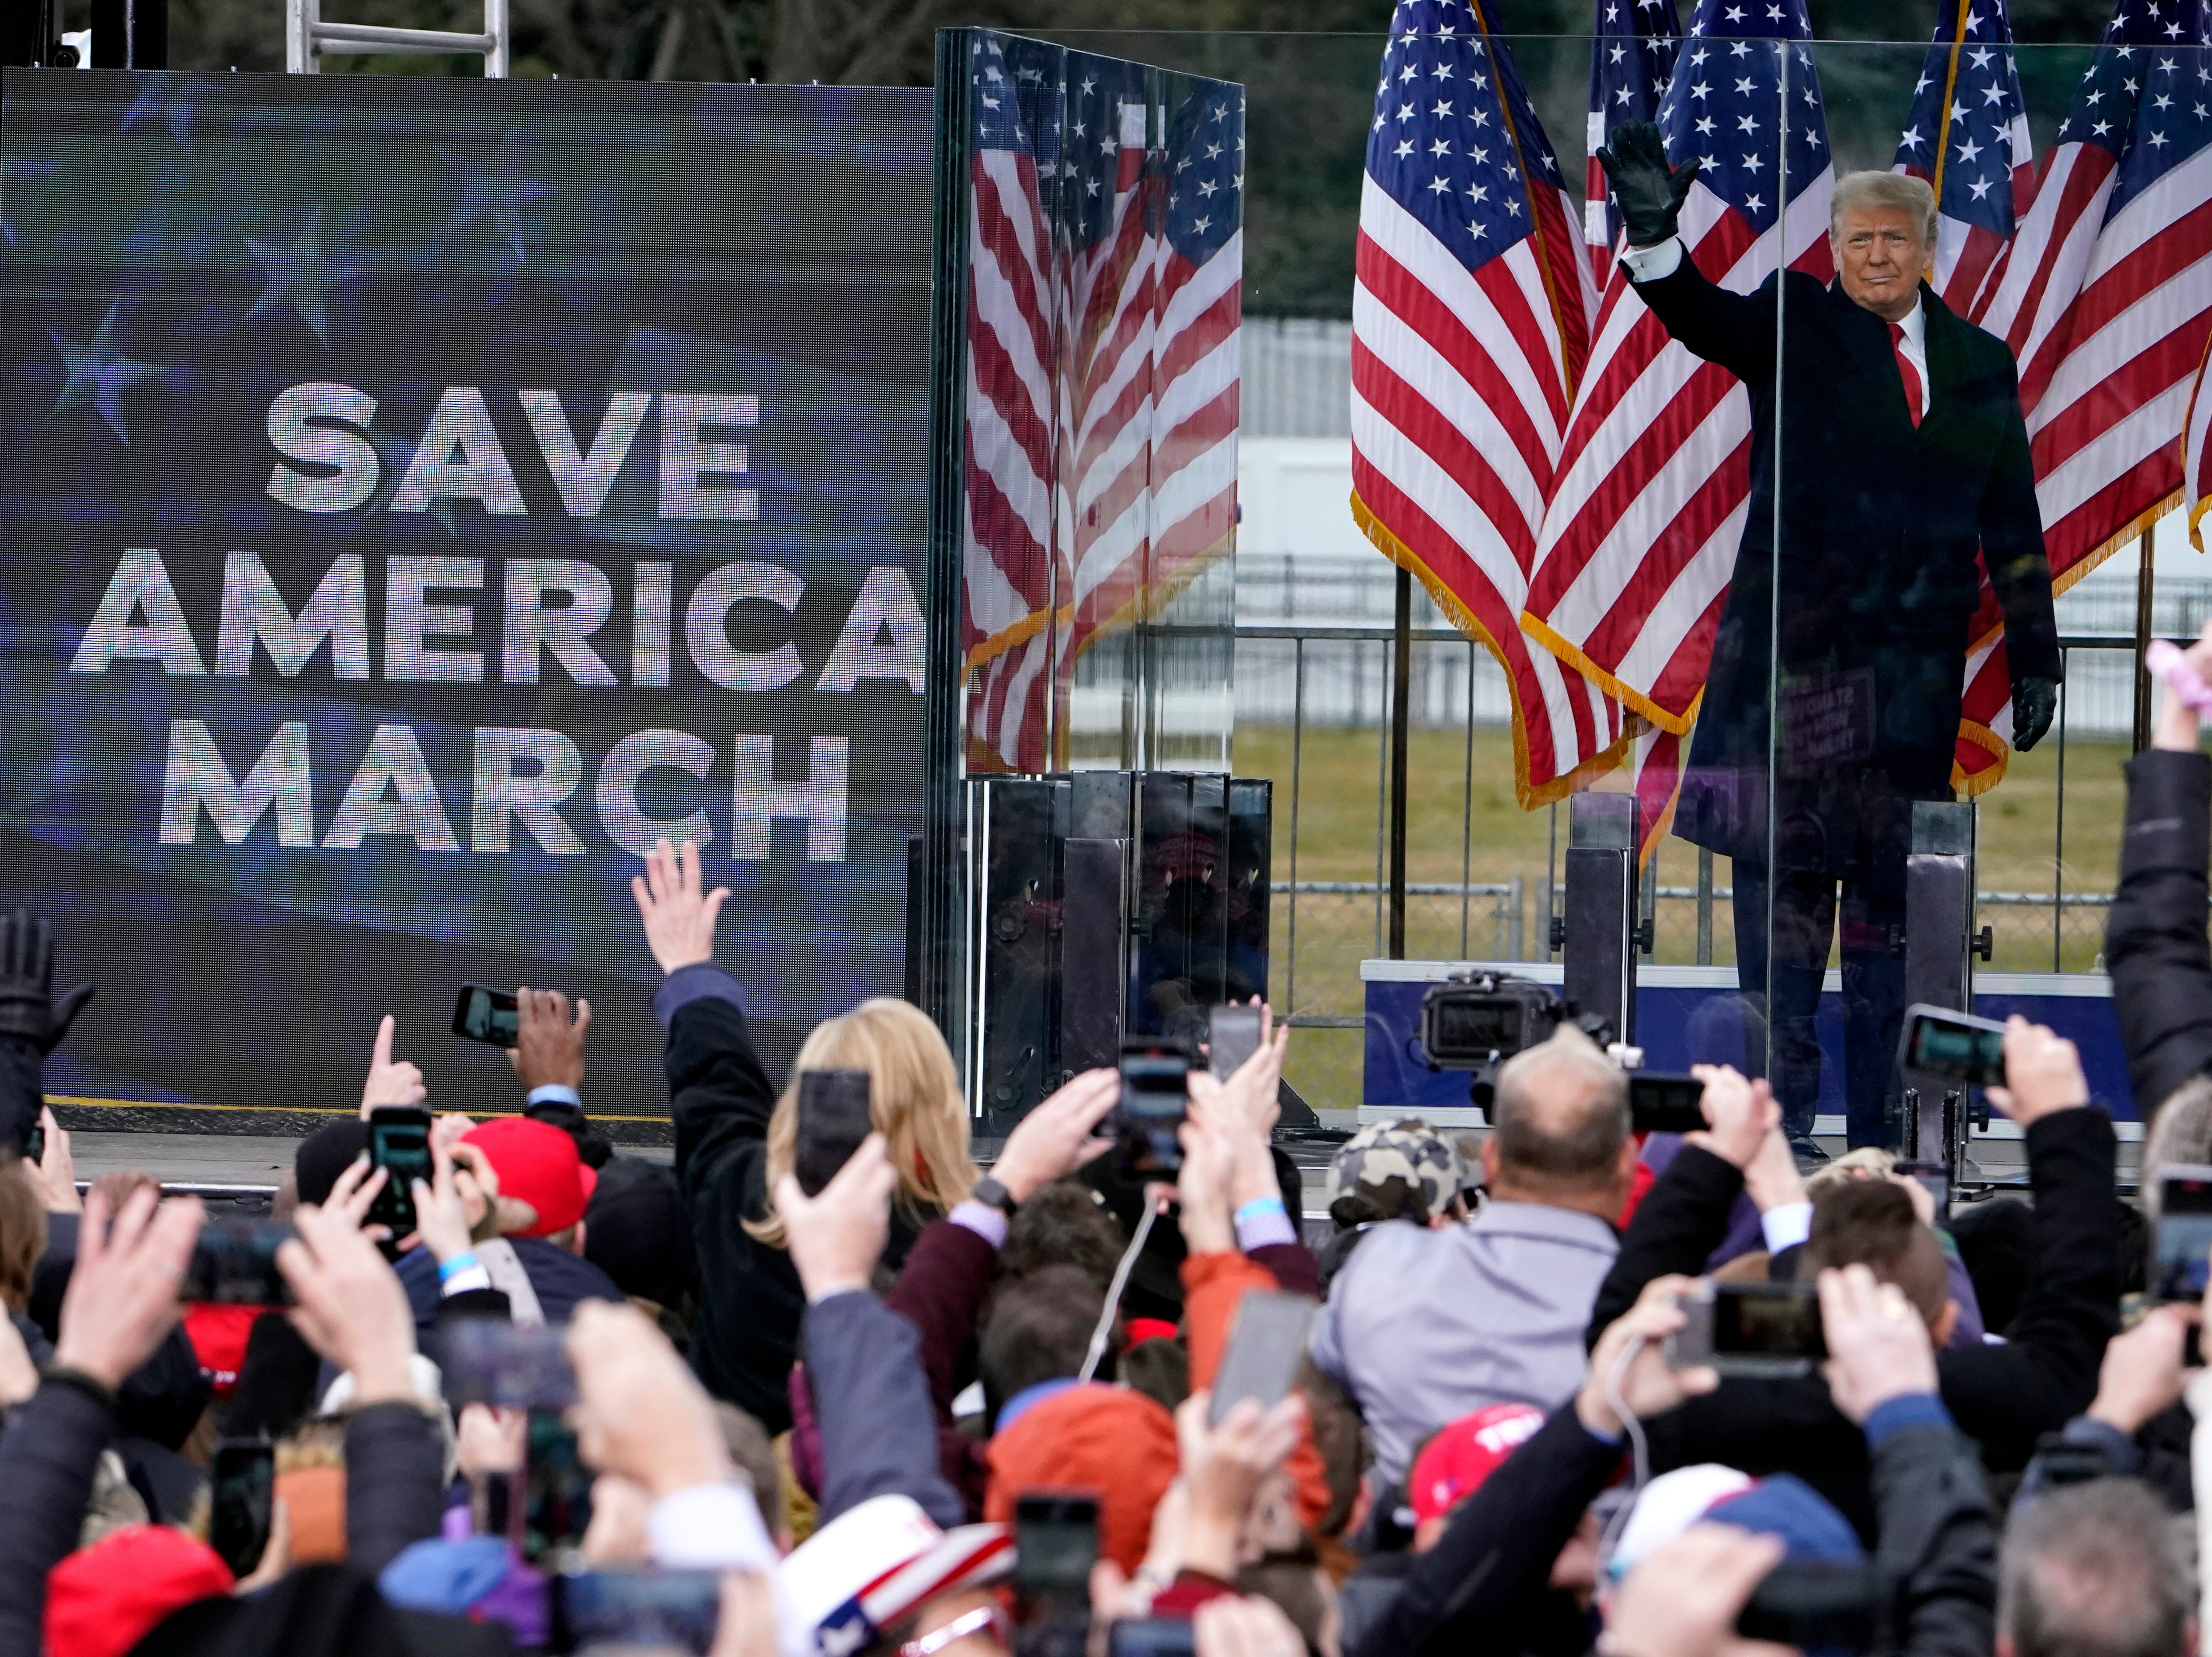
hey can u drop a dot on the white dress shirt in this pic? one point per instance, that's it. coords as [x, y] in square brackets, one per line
[1662, 259]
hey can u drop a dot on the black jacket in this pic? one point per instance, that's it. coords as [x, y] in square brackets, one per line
[1487, 1584]
[1484, 1586]
[2154, 942]
[2004, 1397]
[750, 1302]
[1881, 523]
[47, 1456]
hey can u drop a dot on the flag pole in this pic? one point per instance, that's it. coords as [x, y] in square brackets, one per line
[1401, 674]
[2145, 570]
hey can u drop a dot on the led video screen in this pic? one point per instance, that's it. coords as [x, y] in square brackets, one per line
[417, 495]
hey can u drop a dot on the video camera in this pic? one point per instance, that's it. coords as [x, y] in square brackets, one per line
[1476, 1021]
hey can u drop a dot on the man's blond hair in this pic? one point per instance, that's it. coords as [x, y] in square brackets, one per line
[1898, 191]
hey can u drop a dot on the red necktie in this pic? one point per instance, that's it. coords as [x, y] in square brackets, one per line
[1907, 373]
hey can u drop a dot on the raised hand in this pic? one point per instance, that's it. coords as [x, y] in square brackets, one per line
[548, 1043]
[390, 1082]
[1739, 1114]
[1646, 1387]
[1682, 1600]
[640, 1414]
[1060, 1136]
[122, 1297]
[1649, 192]
[2043, 1073]
[836, 1235]
[679, 921]
[28, 1011]
[1878, 1346]
[57, 1169]
[350, 1306]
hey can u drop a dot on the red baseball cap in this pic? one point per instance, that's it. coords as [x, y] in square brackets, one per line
[104, 1600]
[537, 1164]
[1453, 1466]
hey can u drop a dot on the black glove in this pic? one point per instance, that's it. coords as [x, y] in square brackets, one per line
[28, 1011]
[1648, 192]
[2033, 701]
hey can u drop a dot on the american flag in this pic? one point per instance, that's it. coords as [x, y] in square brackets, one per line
[2106, 297]
[2197, 453]
[1152, 382]
[1105, 265]
[1632, 47]
[1012, 348]
[1470, 323]
[1639, 537]
[1967, 136]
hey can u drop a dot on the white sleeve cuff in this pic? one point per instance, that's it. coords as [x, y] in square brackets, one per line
[1650, 263]
[468, 1277]
[989, 1223]
[1786, 1225]
[709, 1527]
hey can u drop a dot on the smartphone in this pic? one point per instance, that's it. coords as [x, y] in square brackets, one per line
[2182, 1239]
[1155, 1100]
[1055, 1543]
[1660, 1103]
[1152, 1636]
[234, 1264]
[35, 1145]
[1817, 1604]
[491, 1361]
[556, 1500]
[635, 1611]
[1762, 1329]
[1266, 1344]
[1935, 1179]
[833, 1118]
[1955, 1046]
[483, 1013]
[240, 1483]
[399, 1143]
[1232, 1036]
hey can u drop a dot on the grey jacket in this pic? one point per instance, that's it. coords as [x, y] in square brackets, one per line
[1424, 1327]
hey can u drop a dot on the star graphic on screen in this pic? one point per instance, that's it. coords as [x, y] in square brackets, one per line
[494, 188]
[166, 99]
[299, 276]
[100, 373]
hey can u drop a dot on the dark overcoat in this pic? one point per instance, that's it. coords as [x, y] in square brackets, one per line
[1879, 527]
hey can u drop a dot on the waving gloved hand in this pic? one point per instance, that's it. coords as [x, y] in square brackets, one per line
[28, 1011]
[2033, 701]
[1648, 192]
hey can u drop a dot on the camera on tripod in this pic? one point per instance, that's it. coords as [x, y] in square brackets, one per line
[1476, 1021]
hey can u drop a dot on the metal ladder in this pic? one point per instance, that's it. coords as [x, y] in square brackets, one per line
[307, 36]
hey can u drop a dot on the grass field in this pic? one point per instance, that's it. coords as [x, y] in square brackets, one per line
[1455, 822]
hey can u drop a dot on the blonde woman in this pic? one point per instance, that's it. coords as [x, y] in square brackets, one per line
[734, 1136]
[914, 1102]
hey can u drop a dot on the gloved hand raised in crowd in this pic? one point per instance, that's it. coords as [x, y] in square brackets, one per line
[28, 1011]
[1648, 192]
[2034, 702]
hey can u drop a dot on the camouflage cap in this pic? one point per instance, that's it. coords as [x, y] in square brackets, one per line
[1397, 1169]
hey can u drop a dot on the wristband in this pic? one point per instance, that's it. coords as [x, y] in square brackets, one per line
[1260, 1207]
[91, 1386]
[448, 1269]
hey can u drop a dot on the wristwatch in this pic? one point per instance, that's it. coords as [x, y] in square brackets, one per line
[989, 1190]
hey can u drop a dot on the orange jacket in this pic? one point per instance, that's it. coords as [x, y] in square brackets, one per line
[1213, 1285]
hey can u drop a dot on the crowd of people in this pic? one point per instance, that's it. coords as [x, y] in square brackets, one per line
[956, 1411]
